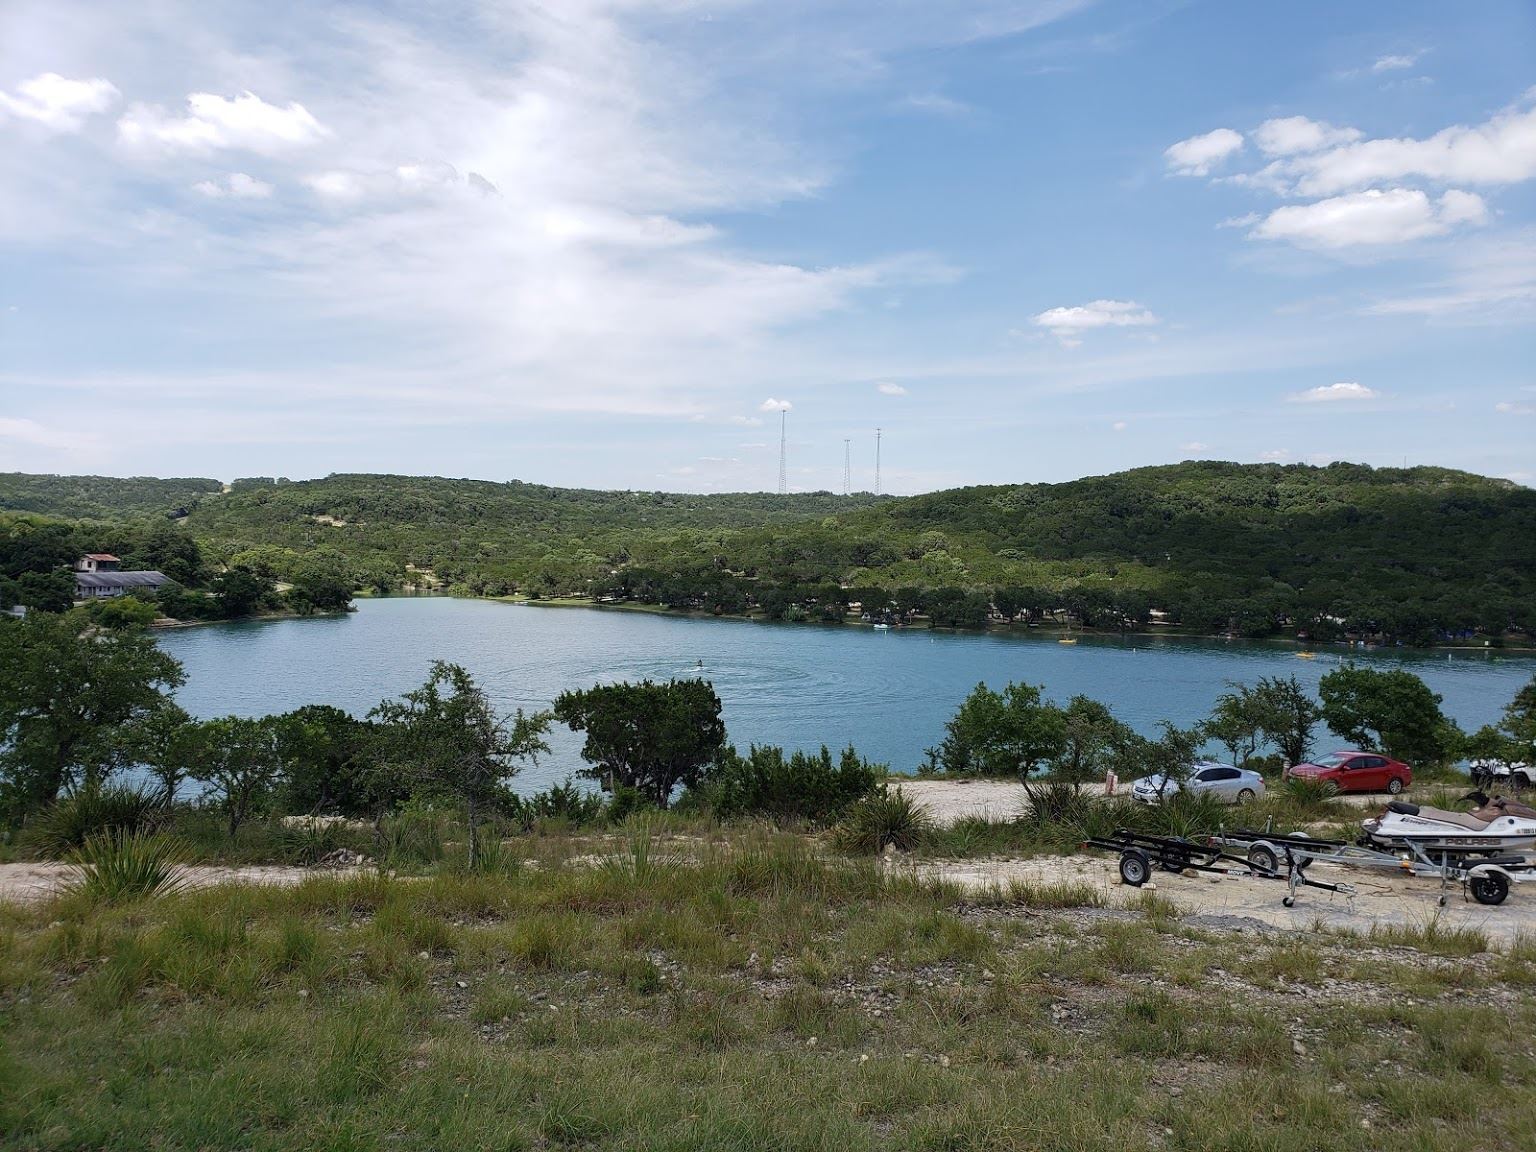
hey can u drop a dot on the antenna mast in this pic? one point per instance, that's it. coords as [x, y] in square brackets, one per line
[877, 461]
[847, 467]
[783, 451]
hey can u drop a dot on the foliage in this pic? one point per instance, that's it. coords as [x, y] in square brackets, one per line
[1002, 734]
[887, 817]
[563, 803]
[240, 762]
[798, 786]
[94, 810]
[1171, 756]
[448, 736]
[1286, 715]
[1093, 741]
[74, 702]
[1392, 710]
[120, 866]
[647, 736]
[1237, 723]
[329, 760]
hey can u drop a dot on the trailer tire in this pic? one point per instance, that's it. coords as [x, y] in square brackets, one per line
[1263, 857]
[1489, 888]
[1288, 901]
[1135, 867]
[1175, 861]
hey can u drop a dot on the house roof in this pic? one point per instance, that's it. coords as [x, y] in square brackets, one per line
[100, 556]
[120, 579]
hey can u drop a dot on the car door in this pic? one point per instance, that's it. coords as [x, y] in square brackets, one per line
[1223, 782]
[1376, 773]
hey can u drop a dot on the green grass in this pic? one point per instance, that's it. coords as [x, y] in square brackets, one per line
[767, 995]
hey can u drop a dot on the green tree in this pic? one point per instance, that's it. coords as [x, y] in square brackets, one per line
[447, 735]
[1002, 734]
[241, 591]
[1237, 723]
[73, 702]
[46, 591]
[1171, 757]
[1092, 739]
[328, 759]
[1391, 710]
[239, 761]
[1287, 715]
[647, 736]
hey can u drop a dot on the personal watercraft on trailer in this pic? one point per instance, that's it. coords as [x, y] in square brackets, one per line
[1494, 826]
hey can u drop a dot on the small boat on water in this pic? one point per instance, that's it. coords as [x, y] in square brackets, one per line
[1306, 655]
[881, 627]
[1067, 640]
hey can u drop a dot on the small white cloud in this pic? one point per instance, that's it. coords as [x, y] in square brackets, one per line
[340, 187]
[1276, 455]
[1119, 426]
[1396, 63]
[1197, 155]
[772, 405]
[235, 186]
[887, 388]
[58, 103]
[1331, 393]
[1290, 135]
[246, 122]
[1067, 324]
[1393, 216]
[1245, 221]
[1508, 409]
[1194, 446]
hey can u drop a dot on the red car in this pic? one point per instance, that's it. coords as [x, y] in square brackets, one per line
[1356, 772]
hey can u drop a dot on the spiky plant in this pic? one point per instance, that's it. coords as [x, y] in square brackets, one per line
[117, 867]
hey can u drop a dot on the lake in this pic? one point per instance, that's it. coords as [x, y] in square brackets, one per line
[799, 685]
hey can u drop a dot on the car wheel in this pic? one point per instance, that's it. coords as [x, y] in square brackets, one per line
[1394, 786]
[1135, 867]
[1247, 796]
[1489, 888]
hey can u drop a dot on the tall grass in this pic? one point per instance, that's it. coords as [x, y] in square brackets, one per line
[117, 867]
[881, 820]
[94, 810]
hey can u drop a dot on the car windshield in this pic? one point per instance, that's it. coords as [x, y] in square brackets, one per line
[1332, 760]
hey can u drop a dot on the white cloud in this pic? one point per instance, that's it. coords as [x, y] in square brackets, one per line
[1194, 446]
[245, 122]
[30, 432]
[1508, 409]
[1502, 150]
[888, 388]
[1492, 280]
[1276, 455]
[234, 186]
[1247, 220]
[1375, 216]
[1197, 155]
[1396, 63]
[58, 103]
[772, 405]
[1067, 324]
[1289, 135]
[1334, 393]
[936, 102]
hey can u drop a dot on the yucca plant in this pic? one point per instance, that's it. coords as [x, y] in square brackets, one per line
[94, 809]
[116, 867]
[884, 818]
[1308, 794]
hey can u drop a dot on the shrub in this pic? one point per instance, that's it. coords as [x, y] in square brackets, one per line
[564, 802]
[883, 818]
[799, 786]
[96, 810]
[1307, 793]
[115, 867]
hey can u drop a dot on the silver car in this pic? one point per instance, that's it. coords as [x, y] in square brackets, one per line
[1233, 785]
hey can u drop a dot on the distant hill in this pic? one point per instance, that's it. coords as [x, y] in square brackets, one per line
[1417, 553]
[101, 497]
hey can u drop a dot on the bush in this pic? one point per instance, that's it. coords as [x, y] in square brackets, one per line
[800, 786]
[115, 867]
[1309, 794]
[563, 802]
[883, 818]
[98, 810]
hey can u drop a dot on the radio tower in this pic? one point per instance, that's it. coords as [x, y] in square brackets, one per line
[783, 451]
[847, 467]
[877, 461]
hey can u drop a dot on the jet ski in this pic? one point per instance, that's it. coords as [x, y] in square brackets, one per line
[1493, 826]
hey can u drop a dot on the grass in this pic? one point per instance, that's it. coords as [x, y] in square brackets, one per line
[116, 867]
[766, 996]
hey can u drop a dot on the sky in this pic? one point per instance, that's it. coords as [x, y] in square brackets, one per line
[607, 243]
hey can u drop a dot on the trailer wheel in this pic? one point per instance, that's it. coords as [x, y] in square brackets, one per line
[1263, 857]
[1489, 888]
[1174, 861]
[1135, 867]
[1288, 901]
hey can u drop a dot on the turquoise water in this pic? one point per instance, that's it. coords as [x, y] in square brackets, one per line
[798, 685]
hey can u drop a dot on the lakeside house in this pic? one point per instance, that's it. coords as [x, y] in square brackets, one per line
[99, 575]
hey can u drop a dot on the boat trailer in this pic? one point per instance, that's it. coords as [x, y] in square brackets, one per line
[1139, 853]
[1487, 876]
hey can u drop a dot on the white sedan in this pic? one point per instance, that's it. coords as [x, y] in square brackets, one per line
[1234, 785]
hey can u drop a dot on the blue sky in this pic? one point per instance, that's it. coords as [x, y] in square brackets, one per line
[604, 242]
